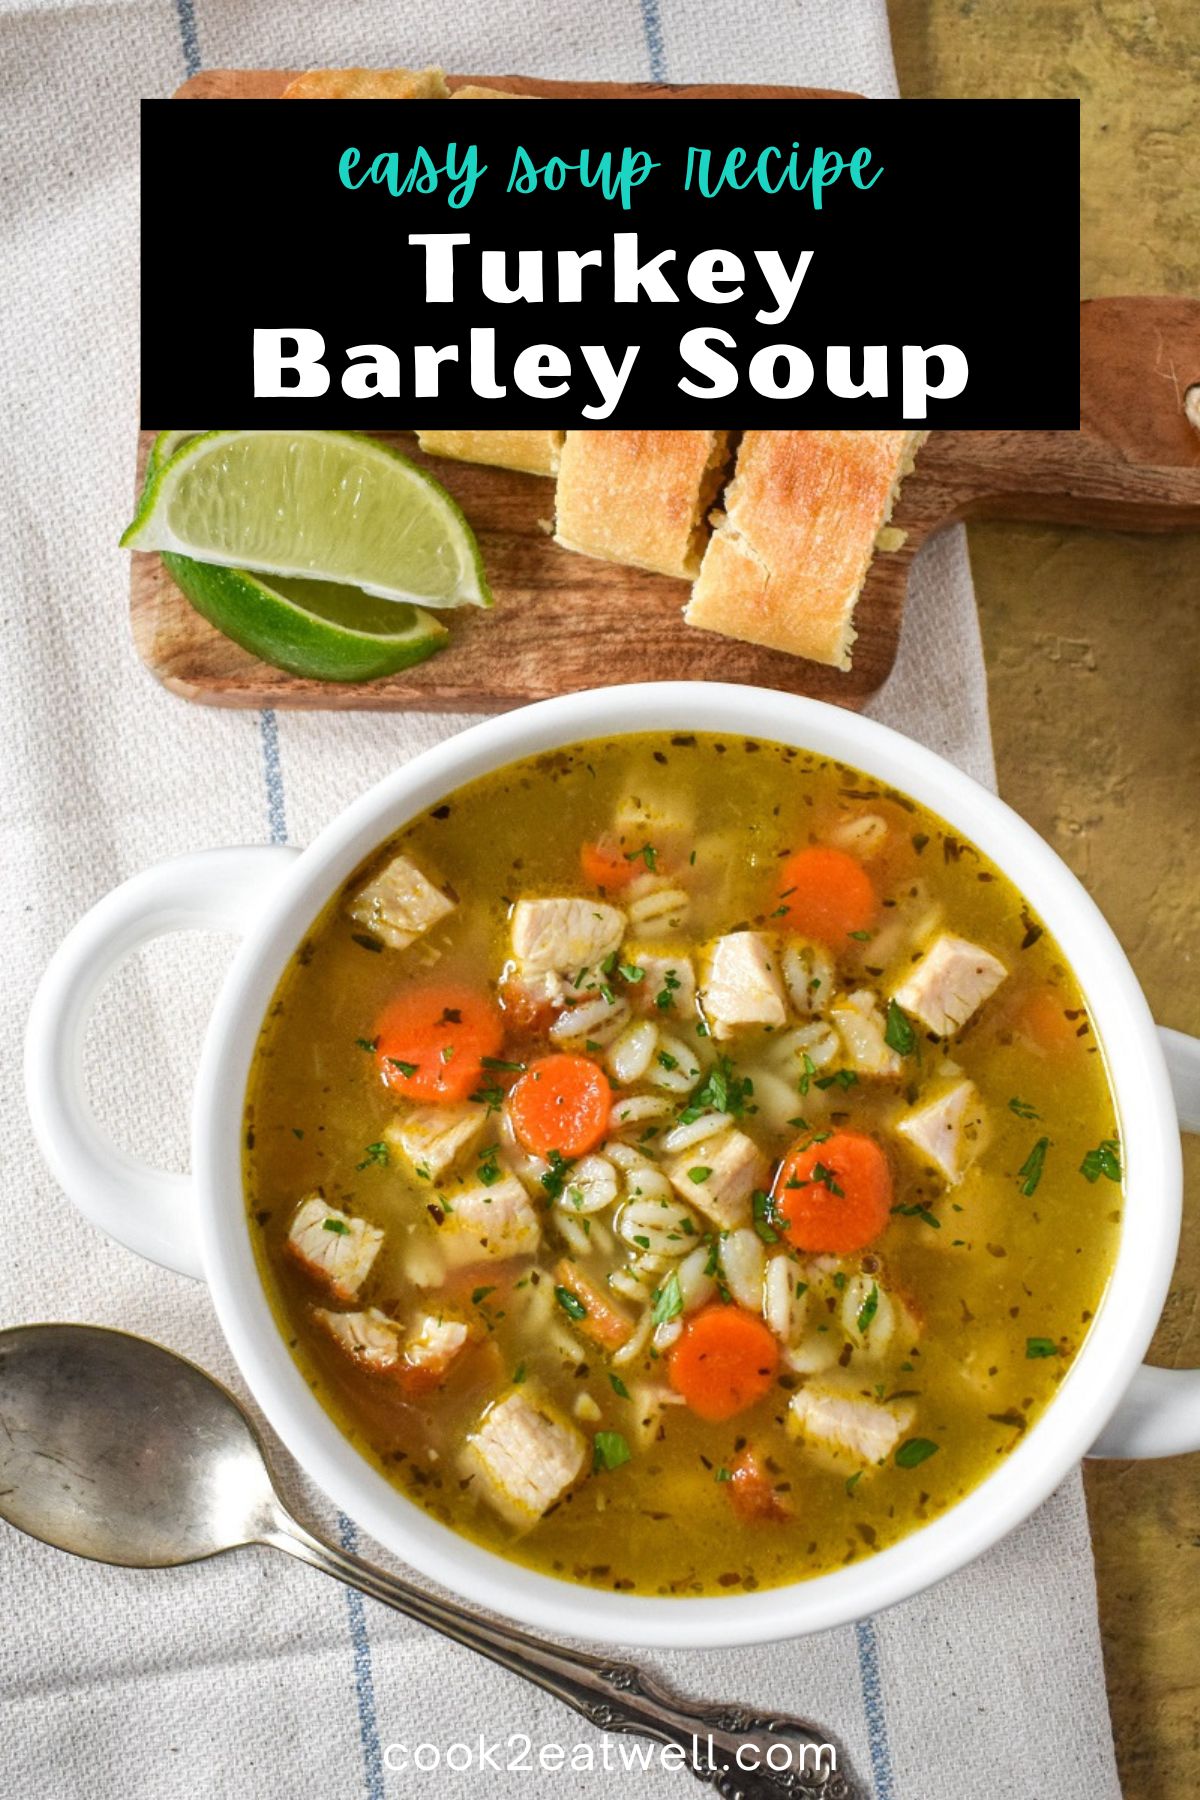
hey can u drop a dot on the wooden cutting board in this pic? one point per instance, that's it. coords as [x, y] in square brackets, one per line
[564, 622]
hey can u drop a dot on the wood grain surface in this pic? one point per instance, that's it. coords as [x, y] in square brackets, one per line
[564, 622]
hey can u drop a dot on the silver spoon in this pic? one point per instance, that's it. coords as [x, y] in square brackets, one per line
[118, 1450]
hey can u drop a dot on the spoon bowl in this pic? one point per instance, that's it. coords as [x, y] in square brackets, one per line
[120, 1451]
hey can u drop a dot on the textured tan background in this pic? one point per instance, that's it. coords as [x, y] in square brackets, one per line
[1093, 654]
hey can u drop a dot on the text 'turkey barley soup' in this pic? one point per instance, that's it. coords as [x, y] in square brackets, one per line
[681, 1164]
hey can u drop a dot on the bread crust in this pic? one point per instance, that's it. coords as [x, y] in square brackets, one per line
[532, 452]
[640, 497]
[368, 84]
[789, 555]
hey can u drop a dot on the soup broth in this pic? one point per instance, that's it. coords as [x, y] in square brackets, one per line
[681, 1164]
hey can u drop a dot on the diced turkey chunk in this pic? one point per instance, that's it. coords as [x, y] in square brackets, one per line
[399, 904]
[370, 1337]
[434, 1138]
[743, 985]
[862, 1027]
[951, 981]
[420, 1355]
[719, 1175]
[431, 1345]
[947, 1129]
[332, 1246]
[525, 1455]
[559, 937]
[487, 1223]
[864, 1429]
[667, 989]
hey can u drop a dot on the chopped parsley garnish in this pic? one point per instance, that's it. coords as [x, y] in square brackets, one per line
[722, 1090]
[618, 1386]
[712, 1263]
[647, 853]
[480, 1295]
[665, 997]
[867, 1311]
[555, 1178]
[1104, 1160]
[492, 1097]
[489, 1169]
[843, 1078]
[864, 937]
[518, 1374]
[1023, 1109]
[494, 1062]
[699, 1174]
[667, 1061]
[764, 1216]
[406, 1069]
[571, 1304]
[839, 1280]
[376, 1154]
[899, 1034]
[1036, 1347]
[447, 1052]
[631, 972]
[723, 1474]
[852, 1481]
[810, 1069]
[609, 1450]
[919, 1212]
[370, 1045]
[914, 1451]
[338, 1226]
[827, 1178]
[1030, 1172]
[668, 1301]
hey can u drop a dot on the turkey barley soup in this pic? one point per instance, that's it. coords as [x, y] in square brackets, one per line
[681, 1164]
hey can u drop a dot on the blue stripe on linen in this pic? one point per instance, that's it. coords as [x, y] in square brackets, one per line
[364, 1681]
[268, 727]
[652, 26]
[872, 1693]
[185, 12]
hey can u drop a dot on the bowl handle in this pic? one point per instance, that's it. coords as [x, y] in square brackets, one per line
[144, 1208]
[1160, 1413]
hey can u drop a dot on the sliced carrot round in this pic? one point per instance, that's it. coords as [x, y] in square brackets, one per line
[723, 1361]
[431, 1041]
[826, 894]
[561, 1103]
[835, 1196]
[606, 866]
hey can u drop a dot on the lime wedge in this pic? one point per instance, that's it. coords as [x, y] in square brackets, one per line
[318, 629]
[322, 505]
[163, 449]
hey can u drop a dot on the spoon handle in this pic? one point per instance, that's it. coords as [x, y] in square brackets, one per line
[743, 1754]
